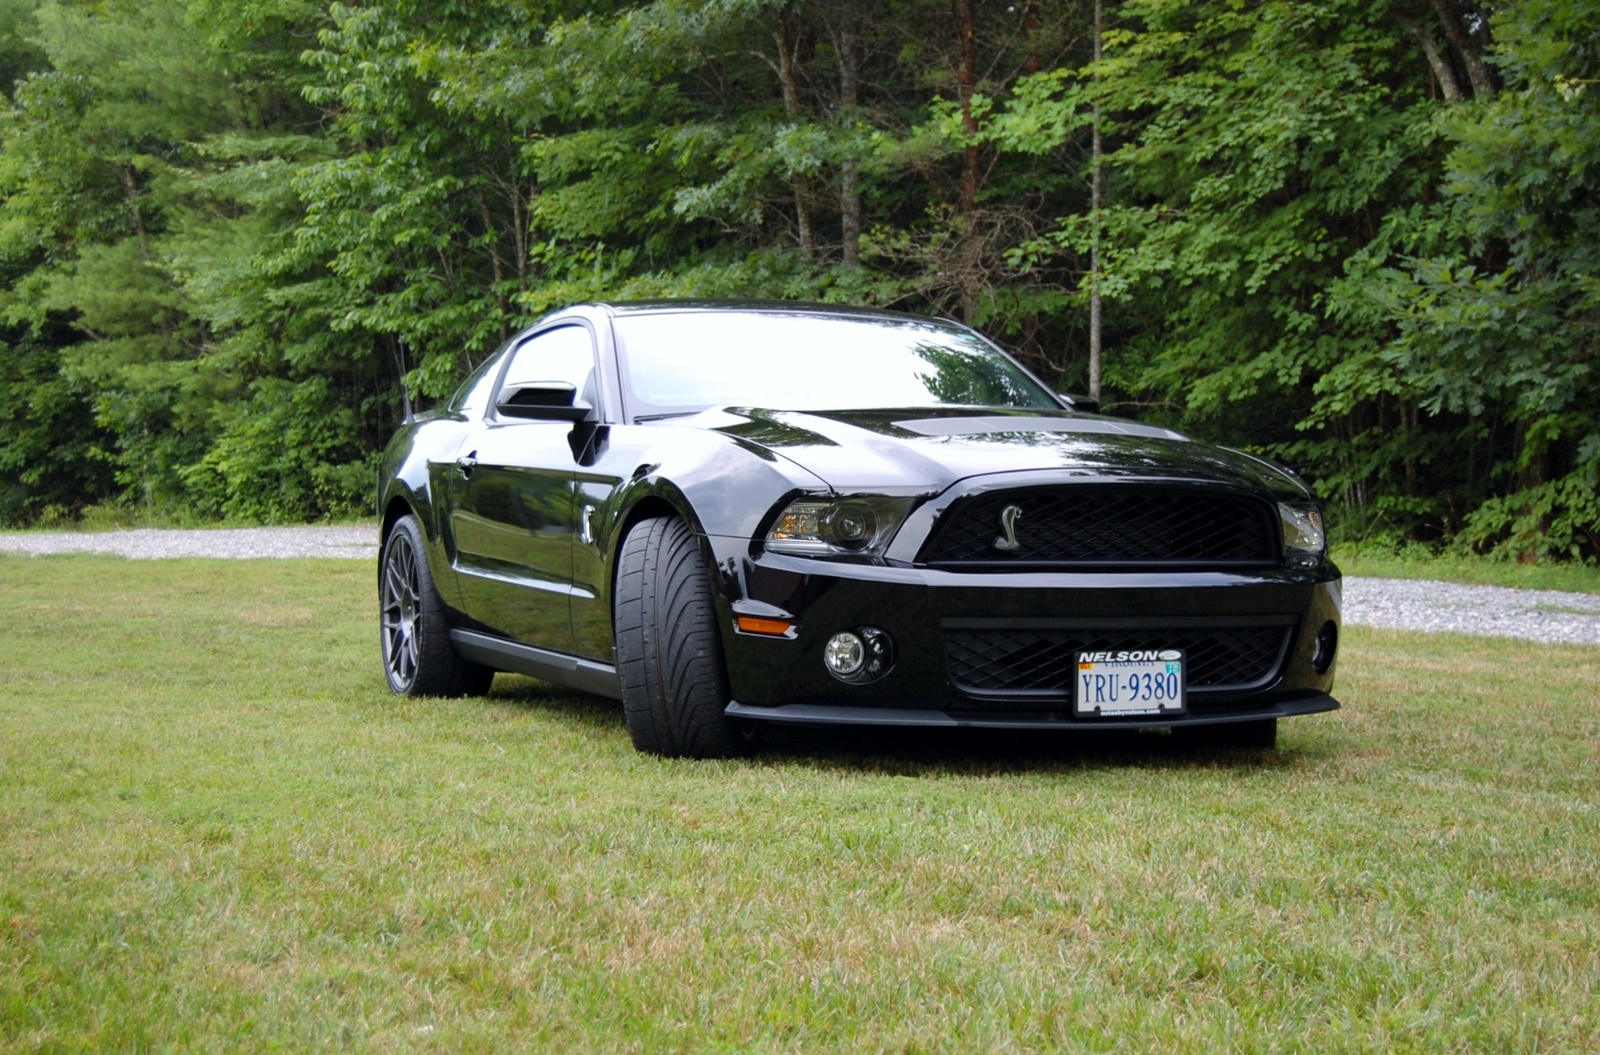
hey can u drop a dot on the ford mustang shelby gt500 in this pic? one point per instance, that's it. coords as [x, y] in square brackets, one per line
[726, 514]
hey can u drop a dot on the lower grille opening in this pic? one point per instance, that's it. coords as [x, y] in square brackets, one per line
[1038, 661]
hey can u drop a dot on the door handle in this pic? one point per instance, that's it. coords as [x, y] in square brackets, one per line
[466, 463]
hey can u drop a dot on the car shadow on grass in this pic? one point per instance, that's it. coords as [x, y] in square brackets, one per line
[921, 752]
[594, 712]
[933, 752]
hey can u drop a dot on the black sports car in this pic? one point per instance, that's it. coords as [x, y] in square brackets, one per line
[727, 514]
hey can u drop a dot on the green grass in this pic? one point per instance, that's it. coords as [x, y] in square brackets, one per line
[218, 831]
[1420, 563]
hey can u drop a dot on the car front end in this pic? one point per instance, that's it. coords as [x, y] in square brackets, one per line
[1030, 598]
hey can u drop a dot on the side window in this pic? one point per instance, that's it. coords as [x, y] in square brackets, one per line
[562, 354]
[473, 395]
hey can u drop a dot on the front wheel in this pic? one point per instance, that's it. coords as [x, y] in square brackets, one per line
[669, 654]
[418, 658]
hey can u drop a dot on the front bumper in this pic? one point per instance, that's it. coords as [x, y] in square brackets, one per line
[929, 613]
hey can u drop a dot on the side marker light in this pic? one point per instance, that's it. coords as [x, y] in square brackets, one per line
[753, 624]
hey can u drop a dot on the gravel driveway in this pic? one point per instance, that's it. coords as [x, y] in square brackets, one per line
[357, 540]
[1491, 611]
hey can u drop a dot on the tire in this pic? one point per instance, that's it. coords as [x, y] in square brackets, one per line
[669, 654]
[1259, 735]
[418, 659]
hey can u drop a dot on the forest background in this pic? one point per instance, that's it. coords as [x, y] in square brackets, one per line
[1360, 237]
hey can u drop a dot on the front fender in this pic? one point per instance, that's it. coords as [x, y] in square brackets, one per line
[719, 485]
[412, 478]
[722, 488]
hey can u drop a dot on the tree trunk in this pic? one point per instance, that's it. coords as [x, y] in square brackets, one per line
[1030, 26]
[519, 227]
[1408, 417]
[966, 17]
[130, 183]
[849, 103]
[1532, 466]
[1449, 87]
[1471, 55]
[491, 238]
[1096, 200]
[850, 214]
[787, 38]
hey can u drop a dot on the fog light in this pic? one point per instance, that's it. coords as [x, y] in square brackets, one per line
[1327, 644]
[860, 655]
[845, 655]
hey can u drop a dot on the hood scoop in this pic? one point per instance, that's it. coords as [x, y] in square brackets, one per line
[995, 424]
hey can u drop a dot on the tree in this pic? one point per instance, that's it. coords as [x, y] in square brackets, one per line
[141, 177]
[1254, 150]
[1358, 235]
[1492, 293]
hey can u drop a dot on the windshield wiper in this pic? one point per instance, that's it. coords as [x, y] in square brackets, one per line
[662, 417]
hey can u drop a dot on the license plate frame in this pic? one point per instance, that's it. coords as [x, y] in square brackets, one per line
[1130, 684]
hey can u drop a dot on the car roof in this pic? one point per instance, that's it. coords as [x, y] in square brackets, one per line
[775, 307]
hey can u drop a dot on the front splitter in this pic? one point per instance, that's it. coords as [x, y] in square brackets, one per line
[834, 714]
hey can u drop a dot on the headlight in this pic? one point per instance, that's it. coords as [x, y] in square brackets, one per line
[823, 527]
[1304, 541]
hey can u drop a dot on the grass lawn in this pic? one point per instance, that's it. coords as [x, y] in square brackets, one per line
[1379, 562]
[218, 831]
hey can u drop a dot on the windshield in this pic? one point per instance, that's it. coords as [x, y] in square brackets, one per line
[686, 361]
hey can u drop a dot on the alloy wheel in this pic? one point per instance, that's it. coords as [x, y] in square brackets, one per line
[399, 602]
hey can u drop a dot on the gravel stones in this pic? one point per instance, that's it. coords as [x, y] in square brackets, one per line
[319, 540]
[1549, 616]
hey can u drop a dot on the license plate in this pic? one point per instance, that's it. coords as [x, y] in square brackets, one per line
[1129, 683]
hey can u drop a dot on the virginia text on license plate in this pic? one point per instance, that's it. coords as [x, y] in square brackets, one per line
[1129, 682]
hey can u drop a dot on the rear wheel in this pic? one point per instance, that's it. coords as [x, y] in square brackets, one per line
[669, 654]
[418, 658]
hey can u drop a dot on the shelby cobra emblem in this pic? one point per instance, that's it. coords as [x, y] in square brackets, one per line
[1007, 542]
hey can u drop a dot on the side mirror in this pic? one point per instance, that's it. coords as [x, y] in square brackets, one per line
[1082, 404]
[543, 401]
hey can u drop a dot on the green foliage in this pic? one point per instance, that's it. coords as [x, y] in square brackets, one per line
[51, 453]
[1304, 246]
[1495, 304]
[146, 180]
[273, 456]
[230, 233]
[1253, 145]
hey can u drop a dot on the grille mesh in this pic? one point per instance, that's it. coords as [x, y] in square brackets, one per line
[1042, 662]
[1091, 525]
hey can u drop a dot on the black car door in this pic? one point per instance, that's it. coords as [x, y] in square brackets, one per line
[512, 510]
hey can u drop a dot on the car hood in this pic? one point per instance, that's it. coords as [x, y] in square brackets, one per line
[929, 448]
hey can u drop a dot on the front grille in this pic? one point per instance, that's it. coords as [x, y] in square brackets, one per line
[1107, 526]
[1041, 660]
